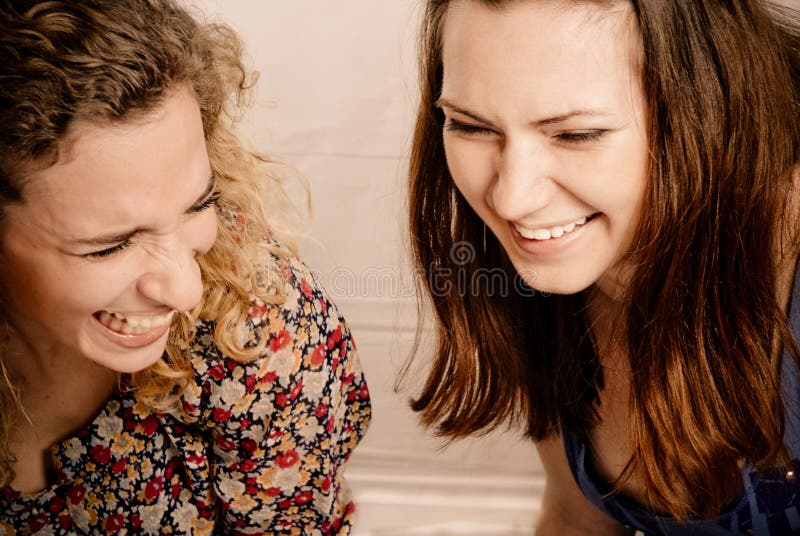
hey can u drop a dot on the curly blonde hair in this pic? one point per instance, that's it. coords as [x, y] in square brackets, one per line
[113, 60]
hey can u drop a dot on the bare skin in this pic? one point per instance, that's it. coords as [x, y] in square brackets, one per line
[565, 510]
[44, 395]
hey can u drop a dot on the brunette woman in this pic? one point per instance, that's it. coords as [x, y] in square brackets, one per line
[632, 168]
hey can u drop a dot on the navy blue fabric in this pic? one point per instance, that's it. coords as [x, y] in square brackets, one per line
[769, 504]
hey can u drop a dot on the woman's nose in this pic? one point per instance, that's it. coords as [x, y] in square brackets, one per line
[174, 277]
[524, 180]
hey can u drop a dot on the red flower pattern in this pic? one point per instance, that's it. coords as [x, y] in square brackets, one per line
[319, 356]
[288, 459]
[154, 487]
[101, 454]
[115, 522]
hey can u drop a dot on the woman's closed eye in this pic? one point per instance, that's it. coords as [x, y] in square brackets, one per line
[581, 136]
[108, 251]
[466, 128]
[210, 200]
[571, 137]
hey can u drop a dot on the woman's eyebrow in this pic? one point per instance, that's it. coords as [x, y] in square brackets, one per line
[116, 238]
[560, 118]
[444, 103]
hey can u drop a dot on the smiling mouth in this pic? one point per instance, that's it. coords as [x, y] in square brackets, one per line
[557, 231]
[132, 325]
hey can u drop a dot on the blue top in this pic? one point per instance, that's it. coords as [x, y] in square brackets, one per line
[769, 504]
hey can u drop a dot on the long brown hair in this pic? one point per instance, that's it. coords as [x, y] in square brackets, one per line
[702, 317]
[116, 60]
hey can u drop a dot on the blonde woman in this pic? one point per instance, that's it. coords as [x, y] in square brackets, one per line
[169, 365]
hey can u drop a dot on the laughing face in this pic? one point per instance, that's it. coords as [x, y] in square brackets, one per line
[545, 134]
[102, 250]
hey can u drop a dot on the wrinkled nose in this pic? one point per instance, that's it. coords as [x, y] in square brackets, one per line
[524, 181]
[174, 276]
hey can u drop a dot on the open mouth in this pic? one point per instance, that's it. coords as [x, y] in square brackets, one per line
[132, 325]
[557, 231]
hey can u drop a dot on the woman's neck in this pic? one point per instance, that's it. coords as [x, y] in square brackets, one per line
[59, 394]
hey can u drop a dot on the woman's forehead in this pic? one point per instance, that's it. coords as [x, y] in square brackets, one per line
[104, 152]
[530, 56]
[121, 168]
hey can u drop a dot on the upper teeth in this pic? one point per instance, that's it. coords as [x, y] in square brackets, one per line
[129, 324]
[548, 233]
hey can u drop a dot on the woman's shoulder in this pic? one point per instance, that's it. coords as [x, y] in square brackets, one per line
[293, 307]
[306, 349]
[284, 421]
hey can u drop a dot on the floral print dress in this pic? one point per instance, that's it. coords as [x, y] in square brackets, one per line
[254, 448]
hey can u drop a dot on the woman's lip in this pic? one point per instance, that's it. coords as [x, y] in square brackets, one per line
[132, 341]
[551, 246]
